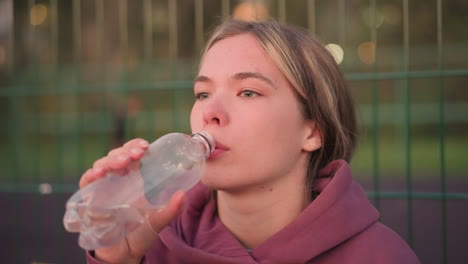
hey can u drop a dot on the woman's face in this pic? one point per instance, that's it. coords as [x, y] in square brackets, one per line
[251, 110]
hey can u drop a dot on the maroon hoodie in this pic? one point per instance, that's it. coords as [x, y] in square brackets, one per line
[340, 226]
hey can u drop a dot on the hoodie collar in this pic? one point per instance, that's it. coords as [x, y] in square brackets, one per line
[339, 212]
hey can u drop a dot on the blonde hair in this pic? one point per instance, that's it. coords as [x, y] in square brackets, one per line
[318, 81]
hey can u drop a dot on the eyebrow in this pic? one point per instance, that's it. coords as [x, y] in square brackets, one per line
[255, 75]
[201, 78]
[239, 76]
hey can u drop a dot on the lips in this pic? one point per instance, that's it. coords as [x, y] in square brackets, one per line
[219, 150]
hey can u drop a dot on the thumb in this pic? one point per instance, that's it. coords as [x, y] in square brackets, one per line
[139, 241]
[160, 219]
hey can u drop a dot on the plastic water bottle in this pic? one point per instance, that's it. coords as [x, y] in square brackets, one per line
[105, 211]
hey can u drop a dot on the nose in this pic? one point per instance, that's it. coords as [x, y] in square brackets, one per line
[215, 114]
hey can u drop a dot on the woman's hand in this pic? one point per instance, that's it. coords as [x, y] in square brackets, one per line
[134, 246]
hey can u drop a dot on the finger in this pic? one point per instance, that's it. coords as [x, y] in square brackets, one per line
[162, 218]
[140, 240]
[113, 162]
[134, 152]
[91, 175]
[137, 143]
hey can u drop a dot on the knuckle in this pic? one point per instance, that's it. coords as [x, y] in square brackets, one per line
[136, 142]
[100, 162]
[114, 152]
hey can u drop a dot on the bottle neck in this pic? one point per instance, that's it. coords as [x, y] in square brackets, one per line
[207, 141]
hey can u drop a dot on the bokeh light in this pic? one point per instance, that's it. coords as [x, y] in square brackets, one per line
[45, 188]
[367, 13]
[251, 11]
[38, 14]
[392, 14]
[336, 51]
[366, 52]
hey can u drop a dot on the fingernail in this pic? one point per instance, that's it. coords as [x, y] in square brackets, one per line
[143, 143]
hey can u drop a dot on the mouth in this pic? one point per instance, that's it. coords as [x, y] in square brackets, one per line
[218, 151]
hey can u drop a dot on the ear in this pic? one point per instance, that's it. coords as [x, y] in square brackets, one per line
[312, 137]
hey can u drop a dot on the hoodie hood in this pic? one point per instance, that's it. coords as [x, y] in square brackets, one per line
[338, 213]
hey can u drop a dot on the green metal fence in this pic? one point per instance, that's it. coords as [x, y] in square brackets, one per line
[80, 77]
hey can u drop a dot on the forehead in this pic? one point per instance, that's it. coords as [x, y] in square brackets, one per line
[237, 53]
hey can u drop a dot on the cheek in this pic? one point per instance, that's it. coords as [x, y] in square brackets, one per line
[284, 128]
[196, 119]
[268, 131]
[285, 119]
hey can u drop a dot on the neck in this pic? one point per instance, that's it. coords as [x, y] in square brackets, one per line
[255, 215]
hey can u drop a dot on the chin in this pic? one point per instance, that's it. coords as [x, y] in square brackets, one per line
[225, 184]
[214, 184]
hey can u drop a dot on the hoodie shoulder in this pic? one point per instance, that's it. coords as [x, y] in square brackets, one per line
[377, 244]
[394, 250]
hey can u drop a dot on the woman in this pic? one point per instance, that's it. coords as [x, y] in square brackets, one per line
[283, 120]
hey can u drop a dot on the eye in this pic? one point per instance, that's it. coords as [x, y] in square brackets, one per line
[202, 95]
[249, 93]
